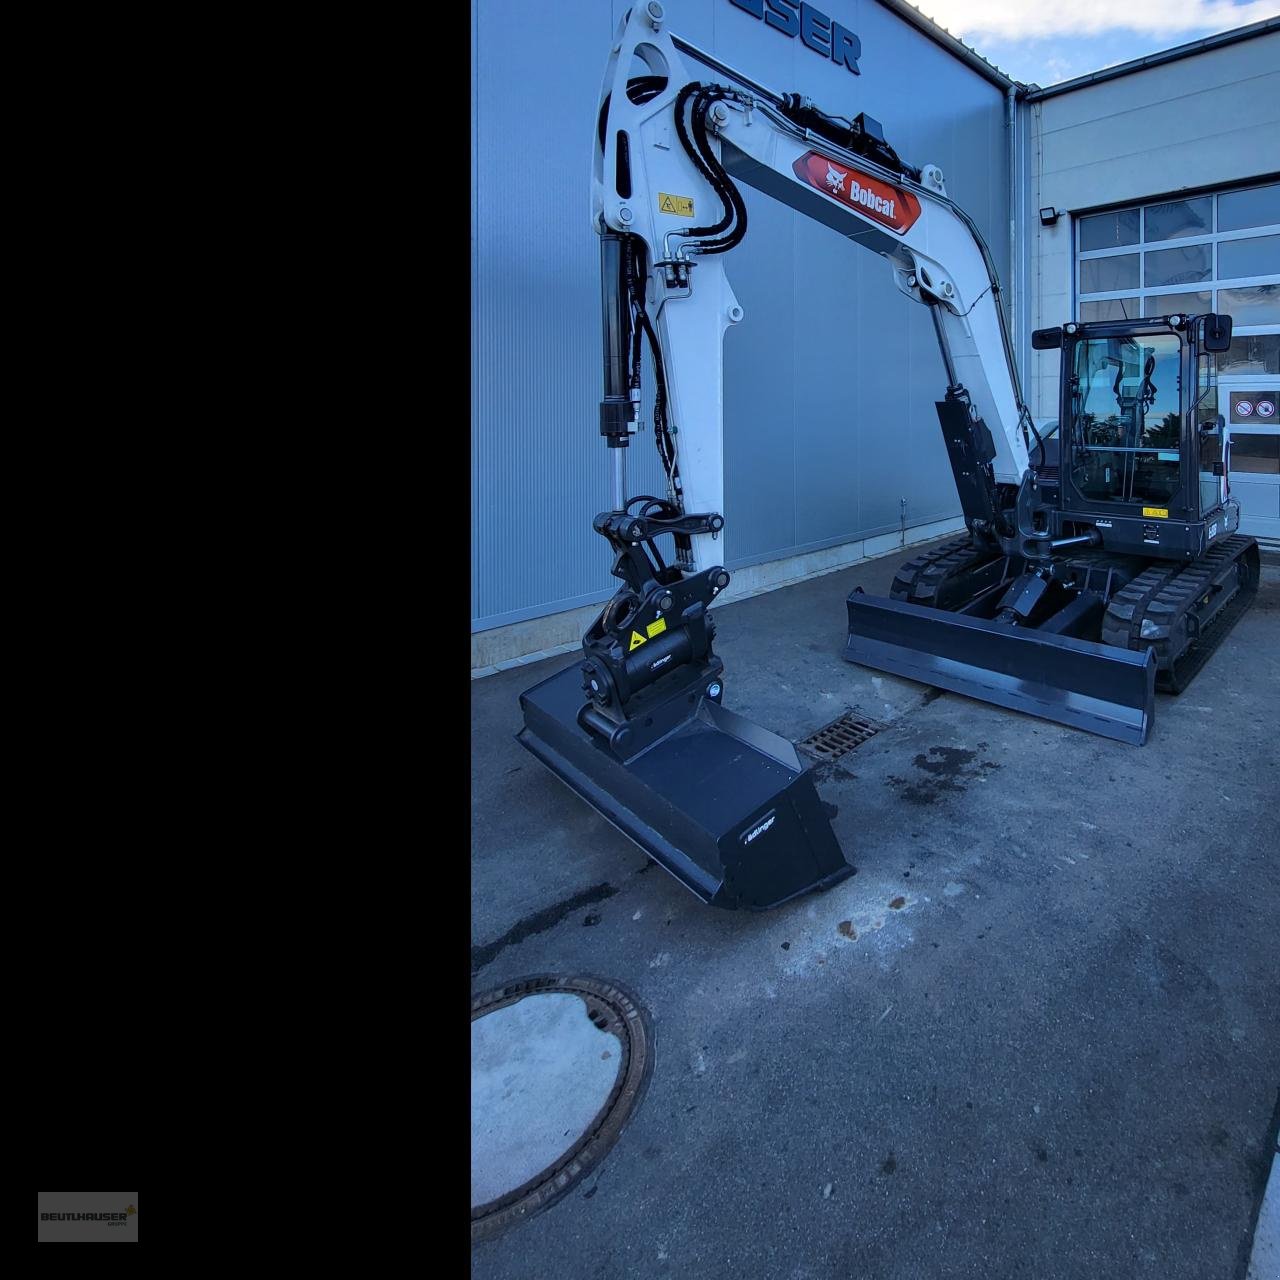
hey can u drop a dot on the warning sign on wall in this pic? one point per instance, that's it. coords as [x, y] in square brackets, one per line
[1253, 406]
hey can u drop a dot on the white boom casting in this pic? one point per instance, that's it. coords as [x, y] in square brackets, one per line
[646, 184]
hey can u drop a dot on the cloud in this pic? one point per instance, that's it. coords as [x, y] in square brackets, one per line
[1011, 19]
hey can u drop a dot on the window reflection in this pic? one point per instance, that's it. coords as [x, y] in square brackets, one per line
[1184, 265]
[1252, 353]
[1179, 218]
[1252, 256]
[1101, 275]
[1126, 418]
[1168, 304]
[1253, 304]
[1109, 309]
[1254, 207]
[1109, 230]
[1255, 455]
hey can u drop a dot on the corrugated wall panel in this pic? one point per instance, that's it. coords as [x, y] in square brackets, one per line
[541, 470]
[1211, 119]
[830, 378]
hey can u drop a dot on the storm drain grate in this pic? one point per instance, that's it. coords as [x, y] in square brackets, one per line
[842, 735]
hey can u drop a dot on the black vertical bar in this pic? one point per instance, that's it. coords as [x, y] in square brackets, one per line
[615, 408]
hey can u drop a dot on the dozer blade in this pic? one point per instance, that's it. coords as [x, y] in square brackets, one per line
[1099, 687]
[722, 804]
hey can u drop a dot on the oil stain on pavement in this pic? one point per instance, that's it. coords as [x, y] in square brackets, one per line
[944, 769]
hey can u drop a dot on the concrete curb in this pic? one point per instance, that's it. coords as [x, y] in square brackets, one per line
[1264, 1264]
[754, 580]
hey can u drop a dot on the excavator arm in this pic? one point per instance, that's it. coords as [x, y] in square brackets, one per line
[672, 144]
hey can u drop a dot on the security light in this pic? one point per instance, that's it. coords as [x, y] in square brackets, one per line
[1048, 217]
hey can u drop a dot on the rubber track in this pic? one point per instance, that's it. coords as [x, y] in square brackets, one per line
[1163, 595]
[918, 580]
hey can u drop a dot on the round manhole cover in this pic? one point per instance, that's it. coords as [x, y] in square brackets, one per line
[557, 1066]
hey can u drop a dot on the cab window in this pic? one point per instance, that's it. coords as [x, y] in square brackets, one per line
[1127, 418]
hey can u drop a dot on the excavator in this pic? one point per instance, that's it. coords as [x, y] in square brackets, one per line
[1101, 557]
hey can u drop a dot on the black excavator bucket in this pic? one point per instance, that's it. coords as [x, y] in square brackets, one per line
[722, 804]
[1098, 687]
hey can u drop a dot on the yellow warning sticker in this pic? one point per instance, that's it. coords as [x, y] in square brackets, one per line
[1161, 513]
[681, 206]
[636, 641]
[656, 628]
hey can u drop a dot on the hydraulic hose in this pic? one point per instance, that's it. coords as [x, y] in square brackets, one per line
[735, 236]
[682, 131]
[698, 149]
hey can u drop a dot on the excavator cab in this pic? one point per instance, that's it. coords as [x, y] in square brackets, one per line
[1142, 434]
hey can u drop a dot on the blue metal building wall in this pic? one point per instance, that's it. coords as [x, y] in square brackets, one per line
[829, 380]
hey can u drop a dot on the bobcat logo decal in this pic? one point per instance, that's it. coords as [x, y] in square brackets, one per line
[866, 195]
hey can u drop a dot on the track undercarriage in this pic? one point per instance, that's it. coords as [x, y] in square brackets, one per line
[1084, 638]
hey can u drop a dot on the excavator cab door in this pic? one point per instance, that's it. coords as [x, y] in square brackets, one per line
[1126, 415]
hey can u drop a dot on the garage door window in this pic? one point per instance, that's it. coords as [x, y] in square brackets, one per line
[1206, 253]
[1256, 454]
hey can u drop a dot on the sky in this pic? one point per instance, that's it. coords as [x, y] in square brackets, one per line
[1041, 43]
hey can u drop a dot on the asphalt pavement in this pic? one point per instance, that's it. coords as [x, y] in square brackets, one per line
[1035, 1035]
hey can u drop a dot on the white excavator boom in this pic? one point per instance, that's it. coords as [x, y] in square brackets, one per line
[646, 183]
